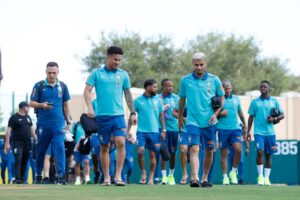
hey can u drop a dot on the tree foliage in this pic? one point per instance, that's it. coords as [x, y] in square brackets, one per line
[238, 59]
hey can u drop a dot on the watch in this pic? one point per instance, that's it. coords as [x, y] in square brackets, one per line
[69, 123]
[133, 113]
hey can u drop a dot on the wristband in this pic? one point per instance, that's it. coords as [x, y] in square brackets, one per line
[133, 113]
[164, 130]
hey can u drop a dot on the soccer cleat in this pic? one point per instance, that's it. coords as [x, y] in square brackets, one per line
[260, 180]
[233, 178]
[171, 180]
[267, 182]
[77, 182]
[225, 181]
[164, 180]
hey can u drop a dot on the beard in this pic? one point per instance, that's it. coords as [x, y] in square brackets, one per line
[153, 93]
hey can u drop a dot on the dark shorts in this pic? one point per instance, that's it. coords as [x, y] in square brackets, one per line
[266, 143]
[151, 140]
[227, 137]
[110, 125]
[207, 135]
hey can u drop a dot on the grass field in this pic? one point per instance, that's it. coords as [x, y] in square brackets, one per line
[140, 192]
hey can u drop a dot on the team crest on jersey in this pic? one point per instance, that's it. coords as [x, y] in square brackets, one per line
[155, 104]
[28, 120]
[173, 103]
[59, 91]
[272, 104]
[208, 84]
[118, 80]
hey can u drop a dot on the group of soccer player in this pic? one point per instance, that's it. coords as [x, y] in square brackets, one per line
[190, 118]
[204, 116]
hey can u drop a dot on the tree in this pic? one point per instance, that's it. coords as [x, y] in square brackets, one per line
[230, 57]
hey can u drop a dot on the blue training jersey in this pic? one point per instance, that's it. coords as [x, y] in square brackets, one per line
[110, 86]
[198, 93]
[231, 120]
[169, 102]
[51, 94]
[260, 109]
[148, 110]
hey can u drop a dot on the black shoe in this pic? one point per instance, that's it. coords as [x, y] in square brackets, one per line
[194, 183]
[61, 181]
[97, 177]
[128, 180]
[38, 180]
[46, 180]
[101, 179]
[18, 182]
[241, 182]
[206, 184]
[112, 180]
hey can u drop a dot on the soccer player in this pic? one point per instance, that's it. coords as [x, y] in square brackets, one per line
[197, 89]
[150, 114]
[110, 83]
[260, 111]
[50, 98]
[230, 132]
[169, 100]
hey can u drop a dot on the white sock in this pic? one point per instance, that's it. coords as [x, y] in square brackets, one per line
[164, 173]
[77, 178]
[225, 176]
[171, 172]
[260, 169]
[234, 169]
[87, 178]
[267, 172]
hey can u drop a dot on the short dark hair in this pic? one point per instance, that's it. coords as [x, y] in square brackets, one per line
[163, 81]
[149, 82]
[114, 50]
[52, 64]
[265, 81]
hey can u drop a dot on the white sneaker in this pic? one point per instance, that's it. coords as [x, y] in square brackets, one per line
[77, 182]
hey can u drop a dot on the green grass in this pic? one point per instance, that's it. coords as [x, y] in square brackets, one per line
[140, 192]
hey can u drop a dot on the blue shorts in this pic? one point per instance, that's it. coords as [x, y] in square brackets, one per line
[109, 125]
[266, 143]
[49, 151]
[227, 137]
[171, 140]
[79, 158]
[95, 144]
[149, 139]
[184, 138]
[207, 134]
